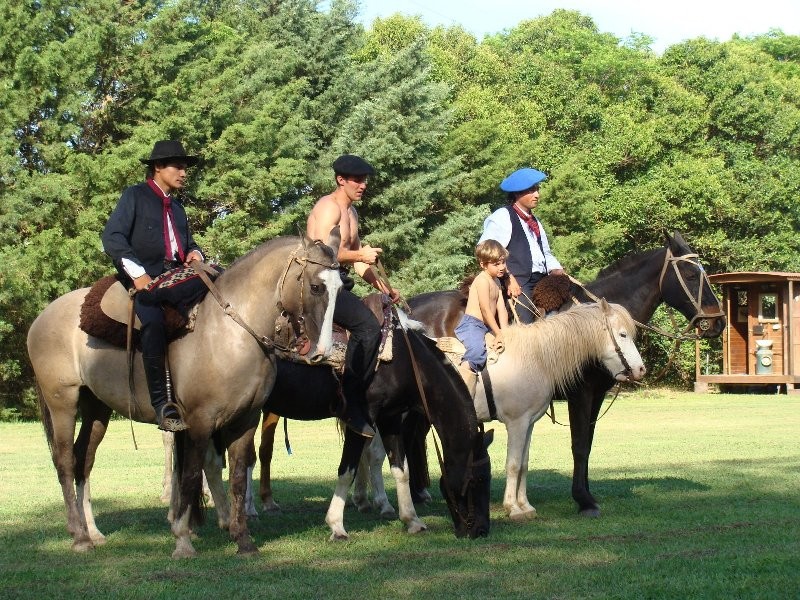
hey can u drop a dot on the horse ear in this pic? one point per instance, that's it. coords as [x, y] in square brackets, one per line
[604, 306]
[667, 237]
[334, 240]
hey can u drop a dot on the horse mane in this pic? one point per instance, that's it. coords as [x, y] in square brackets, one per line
[627, 262]
[560, 345]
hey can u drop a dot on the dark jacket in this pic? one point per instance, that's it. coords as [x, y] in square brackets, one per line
[135, 230]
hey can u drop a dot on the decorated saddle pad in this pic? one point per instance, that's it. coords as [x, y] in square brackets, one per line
[106, 308]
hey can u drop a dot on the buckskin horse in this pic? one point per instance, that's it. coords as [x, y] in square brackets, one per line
[640, 282]
[222, 372]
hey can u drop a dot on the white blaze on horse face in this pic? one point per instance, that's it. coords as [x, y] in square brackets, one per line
[630, 352]
[333, 281]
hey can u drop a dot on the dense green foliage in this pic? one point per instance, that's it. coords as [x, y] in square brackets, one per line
[704, 139]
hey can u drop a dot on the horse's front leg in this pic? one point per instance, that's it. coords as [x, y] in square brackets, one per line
[241, 455]
[94, 424]
[212, 477]
[265, 454]
[528, 511]
[584, 405]
[373, 458]
[168, 441]
[190, 449]
[398, 463]
[351, 455]
[518, 436]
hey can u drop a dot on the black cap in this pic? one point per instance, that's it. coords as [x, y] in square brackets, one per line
[167, 150]
[350, 164]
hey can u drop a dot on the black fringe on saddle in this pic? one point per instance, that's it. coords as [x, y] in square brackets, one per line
[97, 324]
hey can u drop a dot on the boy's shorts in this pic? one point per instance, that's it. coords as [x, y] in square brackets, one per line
[472, 333]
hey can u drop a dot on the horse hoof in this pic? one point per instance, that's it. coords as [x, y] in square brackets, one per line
[389, 514]
[99, 540]
[184, 551]
[417, 528]
[590, 513]
[271, 508]
[339, 537]
[248, 549]
[522, 516]
[82, 546]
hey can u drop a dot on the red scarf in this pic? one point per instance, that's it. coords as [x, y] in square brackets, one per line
[167, 217]
[530, 221]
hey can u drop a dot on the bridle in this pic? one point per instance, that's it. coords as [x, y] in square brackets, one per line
[296, 319]
[701, 317]
[627, 370]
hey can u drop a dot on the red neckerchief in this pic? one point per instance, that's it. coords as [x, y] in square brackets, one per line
[529, 219]
[167, 216]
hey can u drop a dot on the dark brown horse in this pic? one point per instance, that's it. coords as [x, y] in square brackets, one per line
[222, 373]
[306, 392]
[639, 282]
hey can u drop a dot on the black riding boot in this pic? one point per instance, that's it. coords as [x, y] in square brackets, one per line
[155, 372]
[355, 419]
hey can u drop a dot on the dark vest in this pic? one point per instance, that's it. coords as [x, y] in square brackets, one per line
[519, 260]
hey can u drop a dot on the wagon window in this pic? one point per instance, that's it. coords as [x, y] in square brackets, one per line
[767, 307]
[741, 297]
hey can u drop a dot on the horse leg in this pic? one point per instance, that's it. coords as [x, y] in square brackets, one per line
[61, 435]
[265, 453]
[528, 511]
[351, 455]
[584, 405]
[94, 424]
[518, 435]
[372, 459]
[398, 464]
[360, 482]
[241, 456]
[212, 480]
[168, 441]
[186, 499]
[416, 428]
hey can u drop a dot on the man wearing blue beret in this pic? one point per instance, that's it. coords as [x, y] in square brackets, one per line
[523, 235]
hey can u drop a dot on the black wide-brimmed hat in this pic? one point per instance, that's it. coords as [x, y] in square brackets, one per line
[350, 164]
[167, 150]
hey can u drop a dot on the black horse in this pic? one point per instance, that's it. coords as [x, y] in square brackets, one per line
[307, 392]
[639, 282]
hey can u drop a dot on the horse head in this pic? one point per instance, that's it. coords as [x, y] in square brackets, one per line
[621, 357]
[684, 286]
[306, 296]
[468, 499]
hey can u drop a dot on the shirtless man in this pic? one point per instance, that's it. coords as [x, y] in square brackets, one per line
[336, 208]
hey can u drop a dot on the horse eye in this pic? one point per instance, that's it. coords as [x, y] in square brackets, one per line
[623, 334]
[317, 289]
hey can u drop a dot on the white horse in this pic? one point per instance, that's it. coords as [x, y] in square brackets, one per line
[537, 358]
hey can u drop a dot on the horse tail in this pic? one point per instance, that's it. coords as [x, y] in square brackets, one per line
[197, 514]
[47, 418]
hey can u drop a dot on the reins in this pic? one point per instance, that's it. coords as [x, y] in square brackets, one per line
[469, 519]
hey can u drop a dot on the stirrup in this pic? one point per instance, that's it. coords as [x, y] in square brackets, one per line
[173, 424]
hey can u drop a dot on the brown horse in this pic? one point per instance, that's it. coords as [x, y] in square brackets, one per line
[222, 372]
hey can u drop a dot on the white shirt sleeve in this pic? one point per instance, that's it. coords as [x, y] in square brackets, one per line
[497, 226]
[132, 269]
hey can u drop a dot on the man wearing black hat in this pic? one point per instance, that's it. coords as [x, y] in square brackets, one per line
[146, 235]
[336, 208]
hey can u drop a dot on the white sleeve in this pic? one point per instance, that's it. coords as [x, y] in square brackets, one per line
[132, 269]
[497, 226]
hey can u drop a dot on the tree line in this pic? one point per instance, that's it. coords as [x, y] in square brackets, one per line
[703, 139]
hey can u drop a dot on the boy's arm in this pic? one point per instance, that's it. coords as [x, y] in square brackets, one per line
[502, 311]
[487, 305]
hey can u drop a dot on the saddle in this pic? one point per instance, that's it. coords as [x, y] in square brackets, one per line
[381, 306]
[552, 292]
[106, 309]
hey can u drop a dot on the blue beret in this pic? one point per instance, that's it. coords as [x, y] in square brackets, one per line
[350, 164]
[521, 180]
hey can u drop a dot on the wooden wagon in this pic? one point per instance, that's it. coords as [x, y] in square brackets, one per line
[761, 343]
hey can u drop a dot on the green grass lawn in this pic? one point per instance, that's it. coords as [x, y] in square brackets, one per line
[699, 493]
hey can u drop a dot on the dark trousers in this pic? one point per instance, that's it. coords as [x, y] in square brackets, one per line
[153, 334]
[527, 284]
[362, 347]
